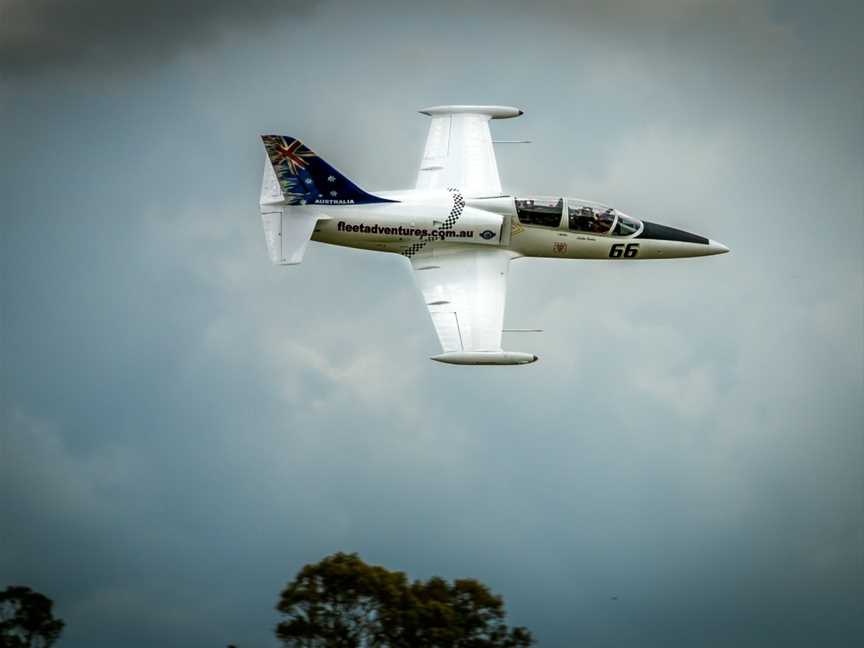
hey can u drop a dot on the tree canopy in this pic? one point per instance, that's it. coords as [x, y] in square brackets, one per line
[342, 602]
[26, 620]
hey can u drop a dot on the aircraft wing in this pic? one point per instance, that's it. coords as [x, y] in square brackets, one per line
[459, 151]
[465, 288]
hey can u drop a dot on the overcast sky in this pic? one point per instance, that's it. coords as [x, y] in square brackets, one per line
[185, 425]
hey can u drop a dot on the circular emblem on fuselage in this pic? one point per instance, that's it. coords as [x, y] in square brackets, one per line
[487, 234]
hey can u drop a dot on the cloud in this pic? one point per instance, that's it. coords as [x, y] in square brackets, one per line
[39, 35]
[185, 425]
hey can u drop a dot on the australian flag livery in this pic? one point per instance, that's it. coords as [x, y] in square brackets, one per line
[306, 179]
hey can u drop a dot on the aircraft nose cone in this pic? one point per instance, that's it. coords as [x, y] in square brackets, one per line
[716, 247]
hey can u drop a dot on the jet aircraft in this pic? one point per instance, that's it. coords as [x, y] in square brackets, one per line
[458, 229]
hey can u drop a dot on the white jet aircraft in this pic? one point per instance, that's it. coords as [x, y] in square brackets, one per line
[457, 227]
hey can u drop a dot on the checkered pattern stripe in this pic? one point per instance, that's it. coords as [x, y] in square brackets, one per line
[455, 213]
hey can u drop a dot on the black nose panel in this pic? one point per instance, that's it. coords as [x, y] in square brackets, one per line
[663, 233]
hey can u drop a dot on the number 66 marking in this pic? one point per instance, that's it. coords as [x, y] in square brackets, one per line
[618, 250]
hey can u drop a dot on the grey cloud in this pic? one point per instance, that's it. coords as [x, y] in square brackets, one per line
[185, 425]
[46, 34]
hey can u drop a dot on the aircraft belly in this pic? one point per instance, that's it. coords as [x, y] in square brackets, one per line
[555, 244]
[401, 227]
[378, 243]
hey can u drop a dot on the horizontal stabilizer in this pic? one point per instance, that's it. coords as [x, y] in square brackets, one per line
[486, 358]
[287, 234]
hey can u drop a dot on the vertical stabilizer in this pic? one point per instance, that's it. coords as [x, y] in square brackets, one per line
[305, 179]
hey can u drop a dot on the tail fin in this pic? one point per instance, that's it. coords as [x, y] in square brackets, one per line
[306, 179]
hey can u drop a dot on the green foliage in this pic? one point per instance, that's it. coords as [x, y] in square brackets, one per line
[341, 602]
[26, 620]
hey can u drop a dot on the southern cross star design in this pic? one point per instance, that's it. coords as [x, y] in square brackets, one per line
[292, 155]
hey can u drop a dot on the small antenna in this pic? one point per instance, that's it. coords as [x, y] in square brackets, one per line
[511, 141]
[522, 330]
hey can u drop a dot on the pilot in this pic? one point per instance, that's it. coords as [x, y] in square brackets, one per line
[602, 222]
[597, 225]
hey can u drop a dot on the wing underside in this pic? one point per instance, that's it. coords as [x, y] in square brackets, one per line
[459, 151]
[465, 290]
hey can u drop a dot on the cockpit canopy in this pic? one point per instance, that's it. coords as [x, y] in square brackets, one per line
[575, 215]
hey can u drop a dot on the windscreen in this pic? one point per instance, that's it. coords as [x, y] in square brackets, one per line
[626, 225]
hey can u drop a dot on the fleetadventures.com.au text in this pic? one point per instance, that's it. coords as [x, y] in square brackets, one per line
[388, 230]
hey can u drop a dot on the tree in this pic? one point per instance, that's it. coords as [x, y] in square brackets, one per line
[26, 620]
[342, 602]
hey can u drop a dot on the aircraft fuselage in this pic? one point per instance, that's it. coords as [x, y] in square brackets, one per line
[416, 219]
